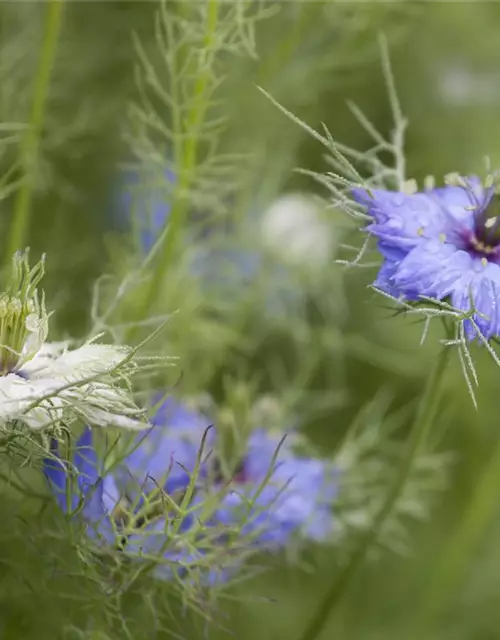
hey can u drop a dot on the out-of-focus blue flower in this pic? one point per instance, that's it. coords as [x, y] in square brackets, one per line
[273, 495]
[223, 256]
[441, 243]
[162, 458]
[278, 494]
[226, 272]
[146, 207]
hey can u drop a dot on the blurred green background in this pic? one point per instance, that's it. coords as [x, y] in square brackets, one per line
[312, 57]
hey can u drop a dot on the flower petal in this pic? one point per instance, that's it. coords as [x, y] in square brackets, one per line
[402, 220]
[432, 269]
[457, 201]
[56, 475]
[385, 279]
[26, 400]
[167, 452]
[89, 486]
[85, 459]
[480, 290]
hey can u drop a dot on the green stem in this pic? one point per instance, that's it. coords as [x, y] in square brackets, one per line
[187, 158]
[28, 152]
[424, 419]
[454, 559]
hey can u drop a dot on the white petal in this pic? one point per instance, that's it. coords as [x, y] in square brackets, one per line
[99, 404]
[88, 360]
[18, 395]
[101, 418]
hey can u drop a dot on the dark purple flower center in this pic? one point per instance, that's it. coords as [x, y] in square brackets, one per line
[487, 225]
[239, 476]
[484, 239]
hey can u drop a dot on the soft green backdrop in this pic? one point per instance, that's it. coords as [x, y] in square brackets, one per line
[312, 57]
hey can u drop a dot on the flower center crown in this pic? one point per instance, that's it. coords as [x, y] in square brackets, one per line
[485, 205]
[23, 320]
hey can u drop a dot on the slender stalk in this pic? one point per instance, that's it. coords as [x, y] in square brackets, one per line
[187, 157]
[424, 420]
[28, 152]
[455, 558]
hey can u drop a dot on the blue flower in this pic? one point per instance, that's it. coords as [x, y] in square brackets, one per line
[443, 243]
[145, 206]
[273, 495]
[279, 494]
[291, 495]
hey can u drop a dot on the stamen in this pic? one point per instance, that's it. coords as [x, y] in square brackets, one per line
[481, 247]
[429, 183]
[22, 314]
[456, 180]
[410, 187]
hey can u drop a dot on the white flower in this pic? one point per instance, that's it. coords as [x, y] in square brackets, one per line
[293, 227]
[59, 384]
[49, 385]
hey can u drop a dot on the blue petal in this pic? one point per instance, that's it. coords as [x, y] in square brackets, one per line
[395, 254]
[402, 220]
[174, 559]
[56, 474]
[457, 201]
[85, 459]
[89, 480]
[87, 495]
[480, 288]
[385, 279]
[96, 515]
[262, 447]
[305, 502]
[297, 497]
[110, 494]
[150, 205]
[432, 269]
[168, 452]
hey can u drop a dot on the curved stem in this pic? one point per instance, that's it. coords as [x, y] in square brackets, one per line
[28, 151]
[424, 419]
[453, 560]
